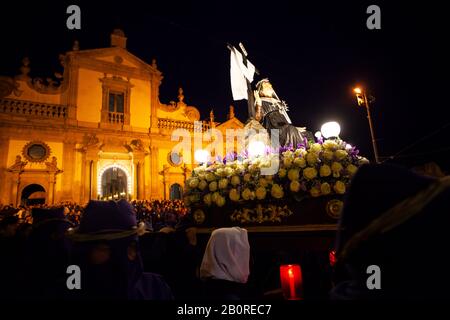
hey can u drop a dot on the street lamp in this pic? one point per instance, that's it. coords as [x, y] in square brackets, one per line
[363, 100]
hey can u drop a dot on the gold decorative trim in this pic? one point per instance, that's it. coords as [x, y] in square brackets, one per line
[32, 143]
[169, 159]
[199, 216]
[334, 208]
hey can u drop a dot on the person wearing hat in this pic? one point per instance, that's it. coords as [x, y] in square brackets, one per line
[107, 252]
[395, 221]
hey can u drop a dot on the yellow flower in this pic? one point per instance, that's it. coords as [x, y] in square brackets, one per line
[247, 177]
[282, 173]
[330, 145]
[228, 171]
[293, 174]
[234, 195]
[362, 160]
[223, 183]
[341, 154]
[316, 147]
[187, 202]
[202, 185]
[294, 186]
[246, 194]
[193, 183]
[277, 191]
[325, 188]
[207, 199]
[194, 198]
[325, 170]
[310, 173]
[314, 192]
[235, 180]
[220, 201]
[210, 177]
[263, 182]
[312, 158]
[352, 169]
[213, 186]
[288, 154]
[301, 152]
[300, 162]
[339, 187]
[287, 162]
[328, 155]
[336, 167]
[214, 196]
[261, 193]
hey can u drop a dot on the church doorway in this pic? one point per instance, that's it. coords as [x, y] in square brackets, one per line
[176, 192]
[114, 184]
[33, 194]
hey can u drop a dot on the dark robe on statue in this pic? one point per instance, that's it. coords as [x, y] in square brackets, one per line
[273, 118]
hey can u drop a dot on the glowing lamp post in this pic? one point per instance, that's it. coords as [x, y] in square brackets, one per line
[361, 98]
[291, 281]
[330, 130]
[201, 156]
[256, 149]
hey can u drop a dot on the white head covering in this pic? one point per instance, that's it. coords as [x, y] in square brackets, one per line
[227, 255]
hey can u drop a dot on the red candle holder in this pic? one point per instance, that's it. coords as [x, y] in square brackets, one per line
[332, 257]
[291, 281]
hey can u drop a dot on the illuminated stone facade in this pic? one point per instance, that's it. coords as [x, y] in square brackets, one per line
[65, 139]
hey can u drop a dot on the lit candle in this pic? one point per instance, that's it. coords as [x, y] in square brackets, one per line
[291, 281]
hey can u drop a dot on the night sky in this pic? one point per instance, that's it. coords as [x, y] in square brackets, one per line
[314, 54]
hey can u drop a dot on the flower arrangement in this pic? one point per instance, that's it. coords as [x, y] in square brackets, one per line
[311, 170]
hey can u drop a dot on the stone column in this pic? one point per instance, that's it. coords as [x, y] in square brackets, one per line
[4, 190]
[154, 173]
[68, 166]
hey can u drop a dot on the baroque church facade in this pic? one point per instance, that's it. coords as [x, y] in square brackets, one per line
[100, 132]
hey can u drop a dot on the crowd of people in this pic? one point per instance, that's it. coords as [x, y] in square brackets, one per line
[156, 214]
[393, 221]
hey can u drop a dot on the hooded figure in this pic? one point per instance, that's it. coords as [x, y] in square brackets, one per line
[396, 221]
[273, 114]
[226, 263]
[48, 253]
[107, 251]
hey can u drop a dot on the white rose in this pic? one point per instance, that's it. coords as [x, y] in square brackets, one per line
[207, 199]
[261, 193]
[293, 174]
[202, 185]
[294, 186]
[277, 191]
[235, 180]
[352, 169]
[300, 162]
[325, 171]
[310, 173]
[312, 158]
[341, 154]
[220, 201]
[339, 187]
[223, 183]
[193, 183]
[234, 195]
[246, 194]
[325, 188]
[213, 186]
[314, 192]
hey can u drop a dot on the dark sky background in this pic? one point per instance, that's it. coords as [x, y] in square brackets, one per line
[313, 52]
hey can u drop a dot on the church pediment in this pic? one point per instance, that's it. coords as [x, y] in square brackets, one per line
[113, 57]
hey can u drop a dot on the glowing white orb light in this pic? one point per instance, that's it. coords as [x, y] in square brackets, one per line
[256, 148]
[318, 134]
[330, 129]
[201, 155]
